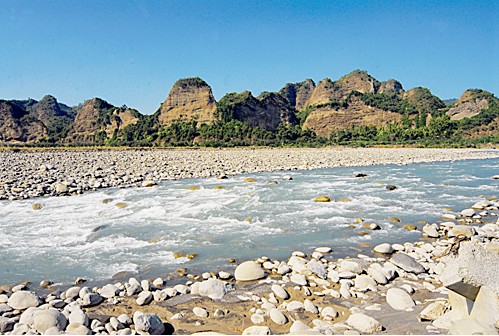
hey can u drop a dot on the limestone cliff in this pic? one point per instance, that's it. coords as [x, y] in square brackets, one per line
[16, 124]
[470, 104]
[323, 120]
[297, 94]
[189, 98]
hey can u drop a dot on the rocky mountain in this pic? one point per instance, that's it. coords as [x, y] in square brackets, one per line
[96, 120]
[189, 98]
[267, 111]
[306, 110]
[17, 125]
[297, 94]
[470, 104]
[326, 118]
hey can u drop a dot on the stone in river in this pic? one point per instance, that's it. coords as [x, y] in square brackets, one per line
[149, 183]
[23, 299]
[121, 205]
[399, 299]
[407, 263]
[36, 206]
[322, 199]
[248, 271]
[390, 187]
[468, 213]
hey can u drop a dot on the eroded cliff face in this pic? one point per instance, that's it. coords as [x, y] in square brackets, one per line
[326, 119]
[17, 125]
[470, 104]
[189, 99]
[297, 94]
[96, 119]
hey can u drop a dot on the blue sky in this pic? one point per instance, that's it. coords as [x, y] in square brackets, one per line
[132, 52]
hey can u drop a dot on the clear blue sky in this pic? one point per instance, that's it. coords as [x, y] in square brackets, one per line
[132, 52]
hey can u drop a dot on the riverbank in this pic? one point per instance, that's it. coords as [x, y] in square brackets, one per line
[395, 289]
[35, 173]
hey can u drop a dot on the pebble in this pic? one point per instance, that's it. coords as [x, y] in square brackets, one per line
[200, 312]
[399, 299]
[364, 323]
[248, 271]
[277, 316]
[384, 248]
[280, 292]
[144, 298]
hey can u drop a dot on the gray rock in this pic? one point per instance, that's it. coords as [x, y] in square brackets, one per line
[5, 308]
[399, 299]
[21, 300]
[148, 323]
[78, 316]
[144, 298]
[249, 271]
[214, 288]
[317, 268]
[49, 318]
[6, 324]
[364, 324]
[407, 263]
[133, 289]
[91, 300]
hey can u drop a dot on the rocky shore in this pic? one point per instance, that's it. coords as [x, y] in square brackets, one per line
[33, 173]
[445, 283]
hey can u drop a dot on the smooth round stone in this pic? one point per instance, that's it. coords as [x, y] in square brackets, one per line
[144, 298]
[77, 329]
[278, 317]
[124, 319]
[294, 306]
[72, 293]
[324, 250]
[257, 318]
[310, 307]
[468, 213]
[280, 292]
[430, 231]
[329, 312]
[249, 271]
[146, 286]
[384, 248]
[364, 324]
[91, 299]
[148, 183]
[108, 291]
[224, 275]
[299, 328]
[377, 275]
[158, 282]
[407, 263]
[200, 312]
[21, 300]
[399, 299]
[257, 330]
[78, 316]
[49, 318]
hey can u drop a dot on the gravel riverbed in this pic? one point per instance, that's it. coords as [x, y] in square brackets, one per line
[33, 173]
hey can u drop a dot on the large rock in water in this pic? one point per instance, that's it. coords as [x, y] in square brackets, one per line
[407, 263]
[189, 99]
[248, 271]
[23, 299]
